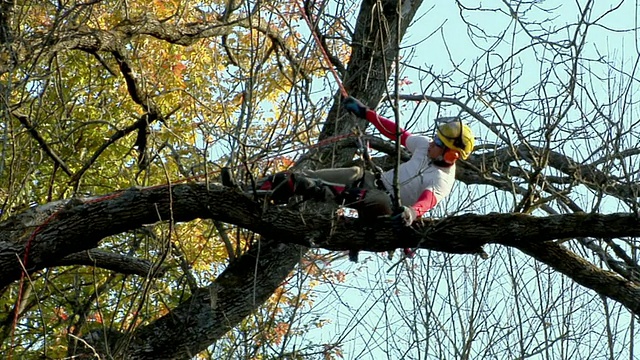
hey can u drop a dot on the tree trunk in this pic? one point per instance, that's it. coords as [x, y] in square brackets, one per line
[376, 33]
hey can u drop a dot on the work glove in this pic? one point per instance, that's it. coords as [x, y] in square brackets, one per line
[405, 216]
[355, 106]
[408, 253]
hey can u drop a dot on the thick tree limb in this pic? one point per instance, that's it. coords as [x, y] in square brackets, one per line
[375, 45]
[584, 174]
[24, 120]
[119, 263]
[66, 231]
[603, 282]
[212, 311]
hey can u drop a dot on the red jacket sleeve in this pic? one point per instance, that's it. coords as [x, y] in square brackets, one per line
[426, 202]
[387, 127]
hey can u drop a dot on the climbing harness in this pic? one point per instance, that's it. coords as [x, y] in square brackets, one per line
[367, 161]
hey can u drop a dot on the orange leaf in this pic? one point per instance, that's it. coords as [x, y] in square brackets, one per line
[178, 69]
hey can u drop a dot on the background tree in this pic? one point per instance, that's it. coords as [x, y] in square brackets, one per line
[119, 116]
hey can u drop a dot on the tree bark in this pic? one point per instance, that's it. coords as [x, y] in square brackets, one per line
[211, 311]
[49, 236]
[376, 33]
[122, 264]
[67, 231]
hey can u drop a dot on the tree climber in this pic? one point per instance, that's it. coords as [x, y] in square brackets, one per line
[424, 180]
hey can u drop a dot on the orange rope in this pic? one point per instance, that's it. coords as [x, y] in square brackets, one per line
[322, 49]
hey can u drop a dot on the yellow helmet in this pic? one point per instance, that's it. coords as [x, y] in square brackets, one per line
[456, 135]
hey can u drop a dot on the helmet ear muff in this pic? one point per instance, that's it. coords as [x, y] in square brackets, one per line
[450, 156]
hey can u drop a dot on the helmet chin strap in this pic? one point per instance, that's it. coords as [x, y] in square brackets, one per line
[445, 161]
[441, 162]
[447, 158]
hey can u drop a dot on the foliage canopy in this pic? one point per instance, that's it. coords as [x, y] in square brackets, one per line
[117, 117]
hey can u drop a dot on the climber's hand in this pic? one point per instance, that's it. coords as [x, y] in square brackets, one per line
[405, 216]
[355, 106]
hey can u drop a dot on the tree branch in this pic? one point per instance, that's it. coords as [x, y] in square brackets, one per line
[65, 231]
[24, 120]
[196, 323]
[122, 264]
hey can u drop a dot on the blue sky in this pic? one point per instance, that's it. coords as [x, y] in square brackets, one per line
[424, 304]
[380, 312]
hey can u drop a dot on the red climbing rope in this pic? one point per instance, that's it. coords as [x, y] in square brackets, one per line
[322, 49]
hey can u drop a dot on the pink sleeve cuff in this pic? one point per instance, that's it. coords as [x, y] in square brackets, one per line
[426, 202]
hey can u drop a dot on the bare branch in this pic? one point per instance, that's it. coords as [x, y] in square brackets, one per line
[119, 263]
[455, 234]
[24, 120]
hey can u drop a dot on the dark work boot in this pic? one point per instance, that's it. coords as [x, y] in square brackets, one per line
[281, 186]
[284, 185]
[227, 179]
[310, 188]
